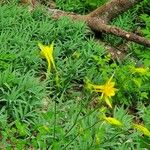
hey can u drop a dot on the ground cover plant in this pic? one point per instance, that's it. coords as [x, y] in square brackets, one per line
[61, 89]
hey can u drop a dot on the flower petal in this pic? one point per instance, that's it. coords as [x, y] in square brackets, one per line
[113, 121]
[41, 46]
[51, 54]
[107, 100]
[143, 129]
[111, 77]
[47, 52]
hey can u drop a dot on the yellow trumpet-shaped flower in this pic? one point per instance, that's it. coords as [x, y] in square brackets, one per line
[47, 53]
[140, 70]
[107, 90]
[143, 129]
[113, 121]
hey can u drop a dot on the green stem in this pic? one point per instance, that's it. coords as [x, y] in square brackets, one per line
[79, 134]
[54, 119]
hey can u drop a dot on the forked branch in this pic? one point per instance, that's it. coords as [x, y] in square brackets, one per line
[98, 19]
[98, 24]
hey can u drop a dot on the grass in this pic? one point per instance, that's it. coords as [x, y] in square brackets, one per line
[125, 21]
[58, 111]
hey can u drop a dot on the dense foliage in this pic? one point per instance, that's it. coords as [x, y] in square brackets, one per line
[89, 101]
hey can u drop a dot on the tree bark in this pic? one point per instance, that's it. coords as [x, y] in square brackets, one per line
[98, 19]
[112, 9]
[98, 24]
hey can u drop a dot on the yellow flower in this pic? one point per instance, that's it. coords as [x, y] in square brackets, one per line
[143, 129]
[47, 53]
[107, 90]
[140, 70]
[113, 121]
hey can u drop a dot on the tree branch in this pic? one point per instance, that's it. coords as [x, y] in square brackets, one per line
[97, 24]
[112, 9]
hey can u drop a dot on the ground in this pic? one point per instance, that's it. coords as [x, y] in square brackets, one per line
[89, 100]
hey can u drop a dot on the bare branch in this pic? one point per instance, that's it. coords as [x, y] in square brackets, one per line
[97, 24]
[112, 9]
[56, 14]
